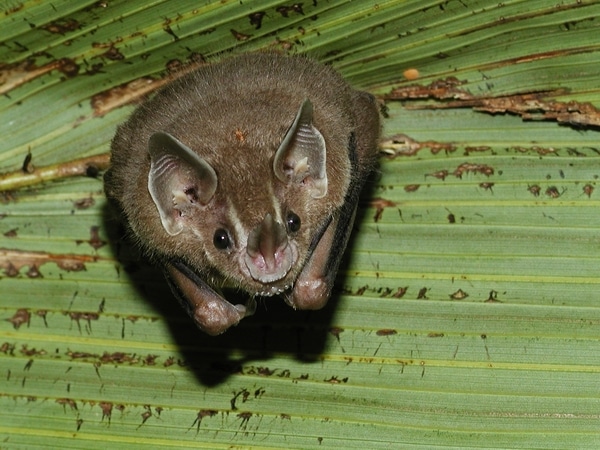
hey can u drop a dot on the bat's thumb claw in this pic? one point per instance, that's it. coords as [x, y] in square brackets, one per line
[309, 294]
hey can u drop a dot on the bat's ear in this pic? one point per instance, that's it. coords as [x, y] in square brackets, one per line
[178, 180]
[301, 157]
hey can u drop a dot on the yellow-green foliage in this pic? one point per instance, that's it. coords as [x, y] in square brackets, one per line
[468, 312]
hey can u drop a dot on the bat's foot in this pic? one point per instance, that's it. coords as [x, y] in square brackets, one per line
[210, 311]
[309, 294]
[215, 316]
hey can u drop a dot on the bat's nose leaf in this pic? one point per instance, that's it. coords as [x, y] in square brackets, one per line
[268, 255]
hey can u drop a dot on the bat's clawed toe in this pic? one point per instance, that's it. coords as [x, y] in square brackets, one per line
[310, 293]
[215, 317]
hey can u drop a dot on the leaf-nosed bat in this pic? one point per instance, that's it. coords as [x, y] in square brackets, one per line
[245, 173]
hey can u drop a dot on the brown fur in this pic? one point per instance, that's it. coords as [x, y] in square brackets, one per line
[235, 114]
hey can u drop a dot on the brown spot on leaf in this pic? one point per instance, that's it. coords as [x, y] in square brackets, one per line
[400, 292]
[336, 380]
[244, 417]
[7, 348]
[535, 190]
[11, 233]
[10, 270]
[31, 351]
[335, 332]
[412, 187]
[118, 358]
[16, 74]
[84, 203]
[94, 68]
[422, 295]
[42, 313]
[201, 415]
[361, 290]
[536, 107]
[11, 8]
[539, 150]
[440, 174]
[493, 297]
[588, 189]
[81, 355]
[530, 106]
[447, 88]
[67, 402]
[130, 92]
[473, 168]
[12, 261]
[256, 18]
[146, 414]
[386, 332]
[459, 295]
[243, 393]
[33, 272]
[95, 240]
[61, 26]
[265, 371]
[173, 65]
[384, 292]
[435, 335]
[240, 36]
[85, 316]
[404, 145]
[379, 204]
[71, 265]
[21, 317]
[286, 10]
[106, 408]
[68, 67]
[169, 361]
[136, 90]
[167, 29]
[553, 192]
[150, 360]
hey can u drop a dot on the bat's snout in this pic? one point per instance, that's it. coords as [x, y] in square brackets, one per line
[269, 255]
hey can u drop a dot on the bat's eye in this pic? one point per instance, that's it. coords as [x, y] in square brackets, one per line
[293, 222]
[221, 239]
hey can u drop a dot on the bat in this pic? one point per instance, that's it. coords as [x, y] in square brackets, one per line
[245, 173]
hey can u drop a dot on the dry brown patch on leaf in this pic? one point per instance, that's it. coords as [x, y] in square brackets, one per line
[529, 106]
[404, 145]
[12, 261]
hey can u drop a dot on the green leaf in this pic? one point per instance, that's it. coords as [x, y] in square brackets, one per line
[466, 314]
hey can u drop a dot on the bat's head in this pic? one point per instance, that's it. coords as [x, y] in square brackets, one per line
[248, 214]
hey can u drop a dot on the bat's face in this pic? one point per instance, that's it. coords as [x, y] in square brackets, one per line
[250, 220]
[255, 239]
